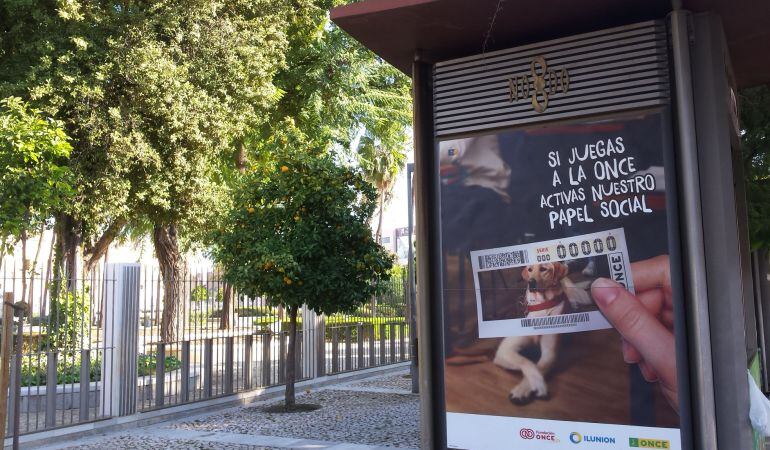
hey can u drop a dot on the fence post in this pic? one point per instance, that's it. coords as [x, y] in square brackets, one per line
[20, 309]
[85, 383]
[383, 349]
[160, 374]
[401, 342]
[281, 356]
[360, 346]
[320, 345]
[248, 343]
[372, 347]
[229, 363]
[185, 384]
[208, 367]
[348, 349]
[50, 389]
[121, 329]
[392, 343]
[299, 357]
[5, 363]
[335, 351]
[266, 358]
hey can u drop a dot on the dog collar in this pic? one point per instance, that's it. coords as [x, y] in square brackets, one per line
[546, 305]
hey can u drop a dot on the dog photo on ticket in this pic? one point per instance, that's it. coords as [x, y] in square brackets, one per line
[544, 287]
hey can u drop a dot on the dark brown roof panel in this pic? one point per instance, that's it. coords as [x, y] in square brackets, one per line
[445, 29]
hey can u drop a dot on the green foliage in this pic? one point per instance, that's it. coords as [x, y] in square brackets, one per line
[755, 143]
[299, 234]
[335, 94]
[34, 179]
[255, 311]
[148, 362]
[199, 294]
[250, 311]
[154, 94]
[68, 323]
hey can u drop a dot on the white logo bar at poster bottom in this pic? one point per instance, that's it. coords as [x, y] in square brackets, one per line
[482, 432]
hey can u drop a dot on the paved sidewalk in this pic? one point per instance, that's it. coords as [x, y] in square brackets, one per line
[378, 412]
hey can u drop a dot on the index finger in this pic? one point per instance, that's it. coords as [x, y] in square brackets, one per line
[651, 273]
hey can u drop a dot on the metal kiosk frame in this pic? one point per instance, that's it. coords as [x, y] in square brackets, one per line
[721, 328]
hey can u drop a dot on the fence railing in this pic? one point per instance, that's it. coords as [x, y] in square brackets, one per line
[104, 347]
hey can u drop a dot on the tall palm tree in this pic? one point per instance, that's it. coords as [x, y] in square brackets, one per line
[381, 166]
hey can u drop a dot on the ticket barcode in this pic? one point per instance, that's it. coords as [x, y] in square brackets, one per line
[504, 259]
[550, 321]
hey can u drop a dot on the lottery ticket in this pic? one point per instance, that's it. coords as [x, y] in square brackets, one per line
[544, 287]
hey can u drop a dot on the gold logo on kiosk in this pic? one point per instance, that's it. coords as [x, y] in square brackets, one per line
[541, 83]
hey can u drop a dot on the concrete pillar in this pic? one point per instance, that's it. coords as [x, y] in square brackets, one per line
[311, 324]
[121, 329]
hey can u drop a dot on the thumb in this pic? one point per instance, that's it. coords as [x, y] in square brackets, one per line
[641, 329]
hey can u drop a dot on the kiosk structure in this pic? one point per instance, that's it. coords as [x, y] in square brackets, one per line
[585, 276]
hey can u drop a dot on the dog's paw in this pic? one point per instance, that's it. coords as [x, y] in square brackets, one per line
[522, 393]
[526, 391]
[519, 400]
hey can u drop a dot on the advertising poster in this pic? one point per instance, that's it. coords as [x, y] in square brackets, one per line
[558, 309]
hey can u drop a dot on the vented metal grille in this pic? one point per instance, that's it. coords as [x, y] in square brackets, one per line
[609, 70]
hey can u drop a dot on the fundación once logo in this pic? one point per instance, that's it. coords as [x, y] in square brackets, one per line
[648, 443]
[577, 438]
[529, 434]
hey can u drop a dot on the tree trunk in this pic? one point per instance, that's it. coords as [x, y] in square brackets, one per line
[291, 363]
[70, 240]
[228, 308]
[240, 158]
[228, 305]
[378, 235]
[94, 253]
[167, 253]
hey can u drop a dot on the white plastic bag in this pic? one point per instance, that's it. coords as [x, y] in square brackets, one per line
[759, 409]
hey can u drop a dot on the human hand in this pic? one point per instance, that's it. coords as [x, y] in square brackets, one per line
[645, 320]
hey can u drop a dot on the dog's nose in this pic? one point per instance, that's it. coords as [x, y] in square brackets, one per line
[532, 284]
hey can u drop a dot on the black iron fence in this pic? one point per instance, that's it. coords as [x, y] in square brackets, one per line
[60, 351]
[108, 345]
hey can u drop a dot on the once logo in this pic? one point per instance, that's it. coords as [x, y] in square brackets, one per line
[575, 437]
[648, 443]
[527, 433]
[542, 82]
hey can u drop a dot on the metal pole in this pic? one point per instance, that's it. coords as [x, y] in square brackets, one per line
[20, 308]
[694, 262]
[413, 352]
[5, 363]
[432, 410]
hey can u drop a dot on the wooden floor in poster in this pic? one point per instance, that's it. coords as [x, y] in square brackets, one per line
[589, 384]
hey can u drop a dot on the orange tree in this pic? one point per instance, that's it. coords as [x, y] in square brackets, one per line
[299, 234]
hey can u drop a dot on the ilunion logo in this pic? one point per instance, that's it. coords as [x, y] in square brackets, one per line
[577, 438]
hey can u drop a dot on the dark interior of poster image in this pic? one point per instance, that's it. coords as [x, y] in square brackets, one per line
[537, 184]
